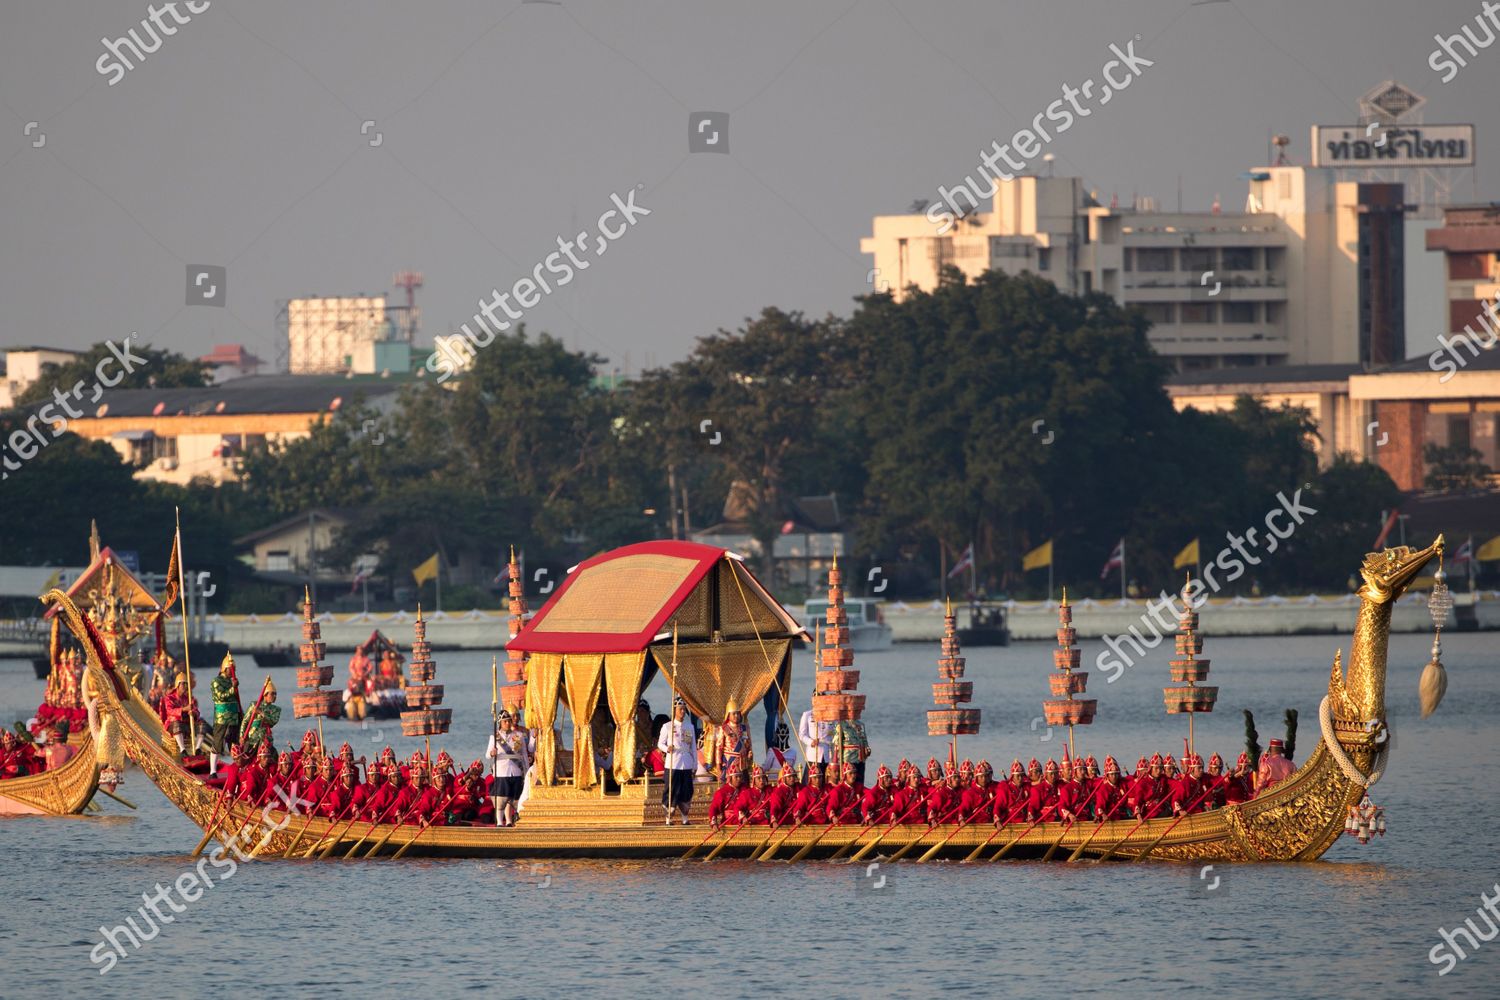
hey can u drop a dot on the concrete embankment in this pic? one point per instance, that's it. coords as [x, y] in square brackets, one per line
[909, 623]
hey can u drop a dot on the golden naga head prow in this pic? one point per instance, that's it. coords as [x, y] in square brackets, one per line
[1358, 697]
[1389, 572]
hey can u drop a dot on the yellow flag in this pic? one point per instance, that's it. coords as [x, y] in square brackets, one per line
[1038, 557]
[1188, 556]
[1489, 550]
[427, 571]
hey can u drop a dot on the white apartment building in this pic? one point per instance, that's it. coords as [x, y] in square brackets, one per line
[1311, 272]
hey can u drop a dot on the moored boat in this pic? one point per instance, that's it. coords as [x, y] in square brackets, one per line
[610, 626]
[868, 631]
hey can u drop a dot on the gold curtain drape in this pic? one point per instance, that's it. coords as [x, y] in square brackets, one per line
[584, 675]
[709, 675]
[543, 670]
[622, 683]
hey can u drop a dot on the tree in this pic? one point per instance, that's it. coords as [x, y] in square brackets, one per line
[1454, 468]
[162, 369]
[751, 402]
[1005, 412]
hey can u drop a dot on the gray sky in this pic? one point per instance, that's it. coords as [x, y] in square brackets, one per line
[503, 126]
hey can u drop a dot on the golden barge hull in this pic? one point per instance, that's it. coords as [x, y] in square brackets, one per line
[1298, 820]
[63, 792]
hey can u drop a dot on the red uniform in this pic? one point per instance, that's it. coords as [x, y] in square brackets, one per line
[1237, 789]
[406, 799]
[875, 806]
[1109, 799]
[841, 801]
[252, 782]
[430, 805]
[1187, 794]
[378, 803]
[1010, 799]
[977, 801]
[907, 804]
[1150, 796]
[1041, 801]
[810, 805]
[721, 806]
[942, 803]
[781, 802]
[751, 805]
[336, 803]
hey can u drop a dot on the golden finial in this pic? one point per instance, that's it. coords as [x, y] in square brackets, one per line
[513, 555]
[419, 611]
[835, 560]
[950, 607]
[93, 541]
[1065, 595]
[306, 594]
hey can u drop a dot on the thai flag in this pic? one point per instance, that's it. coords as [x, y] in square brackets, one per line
[964, 561]
[1465, 552]
[1116, 558]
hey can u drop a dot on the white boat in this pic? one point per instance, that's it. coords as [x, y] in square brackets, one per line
[867, 628]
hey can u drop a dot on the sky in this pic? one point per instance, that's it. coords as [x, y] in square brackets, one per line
[317, 149]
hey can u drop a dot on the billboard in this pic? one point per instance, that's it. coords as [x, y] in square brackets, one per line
[322, 334]
[1378, 146]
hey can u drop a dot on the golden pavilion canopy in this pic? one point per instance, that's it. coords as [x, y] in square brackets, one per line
[603, 636]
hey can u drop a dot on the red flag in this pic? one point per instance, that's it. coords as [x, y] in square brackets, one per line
[964, 561]
[174, 574]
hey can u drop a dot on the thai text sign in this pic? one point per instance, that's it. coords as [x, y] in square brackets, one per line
[1393, 146]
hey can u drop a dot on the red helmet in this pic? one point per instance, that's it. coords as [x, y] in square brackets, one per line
[884, 772]
[1110, 764]
[1017, 768]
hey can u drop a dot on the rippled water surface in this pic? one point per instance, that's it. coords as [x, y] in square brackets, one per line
[1360, 922]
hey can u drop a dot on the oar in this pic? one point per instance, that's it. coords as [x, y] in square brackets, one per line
[1186, 813]
[932, 851]
[260, 800]
[352, 820]
[852, 841]
[1058, 842]
[120, 799]
[334, 841]
[915, 840]
[436, 813]
[773, 848]
[373, 824]
[1095, 831]
[807, 848]
[999, 829]
[712, 832]
[898, 821]
[725, 842]
[1017, 839]
[311, 815]
[224, 793]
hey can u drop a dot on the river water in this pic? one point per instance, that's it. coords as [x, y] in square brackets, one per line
[1360, 922]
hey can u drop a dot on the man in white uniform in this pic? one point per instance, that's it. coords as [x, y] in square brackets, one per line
[816, 737]
[678, 744]
[512, 756]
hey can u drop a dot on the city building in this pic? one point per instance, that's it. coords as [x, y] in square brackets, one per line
[1469, 241]
[1322, 390]
[1410, 406]
[24, 365]
[1311, 273]
[176, 435]
[231, 361]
